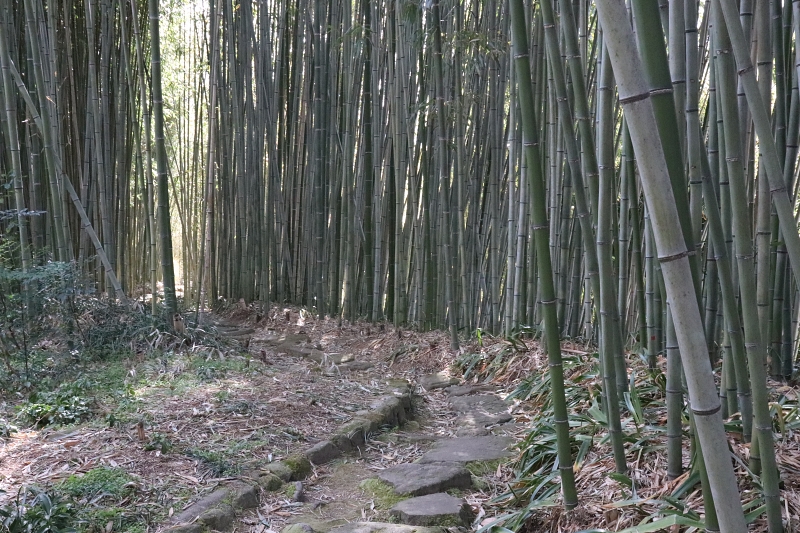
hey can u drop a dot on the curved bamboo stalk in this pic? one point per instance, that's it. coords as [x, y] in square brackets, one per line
[635, 99]
[87, 224]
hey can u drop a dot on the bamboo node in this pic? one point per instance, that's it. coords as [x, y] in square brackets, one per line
[706, 412]
[673, 257]
[634, 98]
[663, 90]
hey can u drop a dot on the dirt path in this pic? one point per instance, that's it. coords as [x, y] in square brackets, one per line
[428, 453]
[177, 428]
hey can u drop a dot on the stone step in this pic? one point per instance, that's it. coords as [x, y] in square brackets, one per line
[438, 509]
[440, 380]
[384, 527]
[468, 449]
[417, 479]
[358, 527]
[481, 410]
[464, 390]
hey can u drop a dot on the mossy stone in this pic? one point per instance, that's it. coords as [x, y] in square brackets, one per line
[219, 518]
[300, 527]
[279, 469]
[299, 466]
[270, 482]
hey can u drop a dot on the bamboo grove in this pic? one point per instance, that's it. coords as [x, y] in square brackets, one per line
[624, 174]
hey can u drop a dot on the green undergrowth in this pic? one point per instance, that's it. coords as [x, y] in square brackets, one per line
[383, 494]
[36, 511]
[219, 463]
[113, 482]
[536, 483]
[96, 502]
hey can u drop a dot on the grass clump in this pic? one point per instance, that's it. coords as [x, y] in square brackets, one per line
[113, 482]
[384, 495]
[97, 520]
[217, 462]
[483, 468]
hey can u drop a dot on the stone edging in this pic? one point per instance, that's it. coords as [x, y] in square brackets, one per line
[217, 511]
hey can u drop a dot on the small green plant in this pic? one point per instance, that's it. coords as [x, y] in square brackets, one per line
[35, 511]
[210, 373]
[102, 480]
[217, 462]
[96, 520]
[67, 404]
[158, 442]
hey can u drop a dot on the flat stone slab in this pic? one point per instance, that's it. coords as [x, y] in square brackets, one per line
[433, 510]
[419, 479]
[464, 390]
[384, 527]
[439, 380]
[488, 403]
[482, 419]
[467, 449]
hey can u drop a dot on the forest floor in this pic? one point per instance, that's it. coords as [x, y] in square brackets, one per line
[168, 428]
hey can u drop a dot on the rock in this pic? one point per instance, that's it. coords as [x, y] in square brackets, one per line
[185, 528]
[299, 465]
[439, 380]
[383, 527]
[279, 469]
[323, 452]
[466, 449]
[481, 410]
[300, 527]
[420, 479]
[391, 410]
[464, 390]
[200, 506]
[355, 431]
[488, 403]
[343, 442]
[295, 350]
[353, 366]
[433, 510]
[219, 518]
[472, 431]
[398, 386]
[243, 496]
[317, 526]
[478, 419]
[270, 482]
[339, 358]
